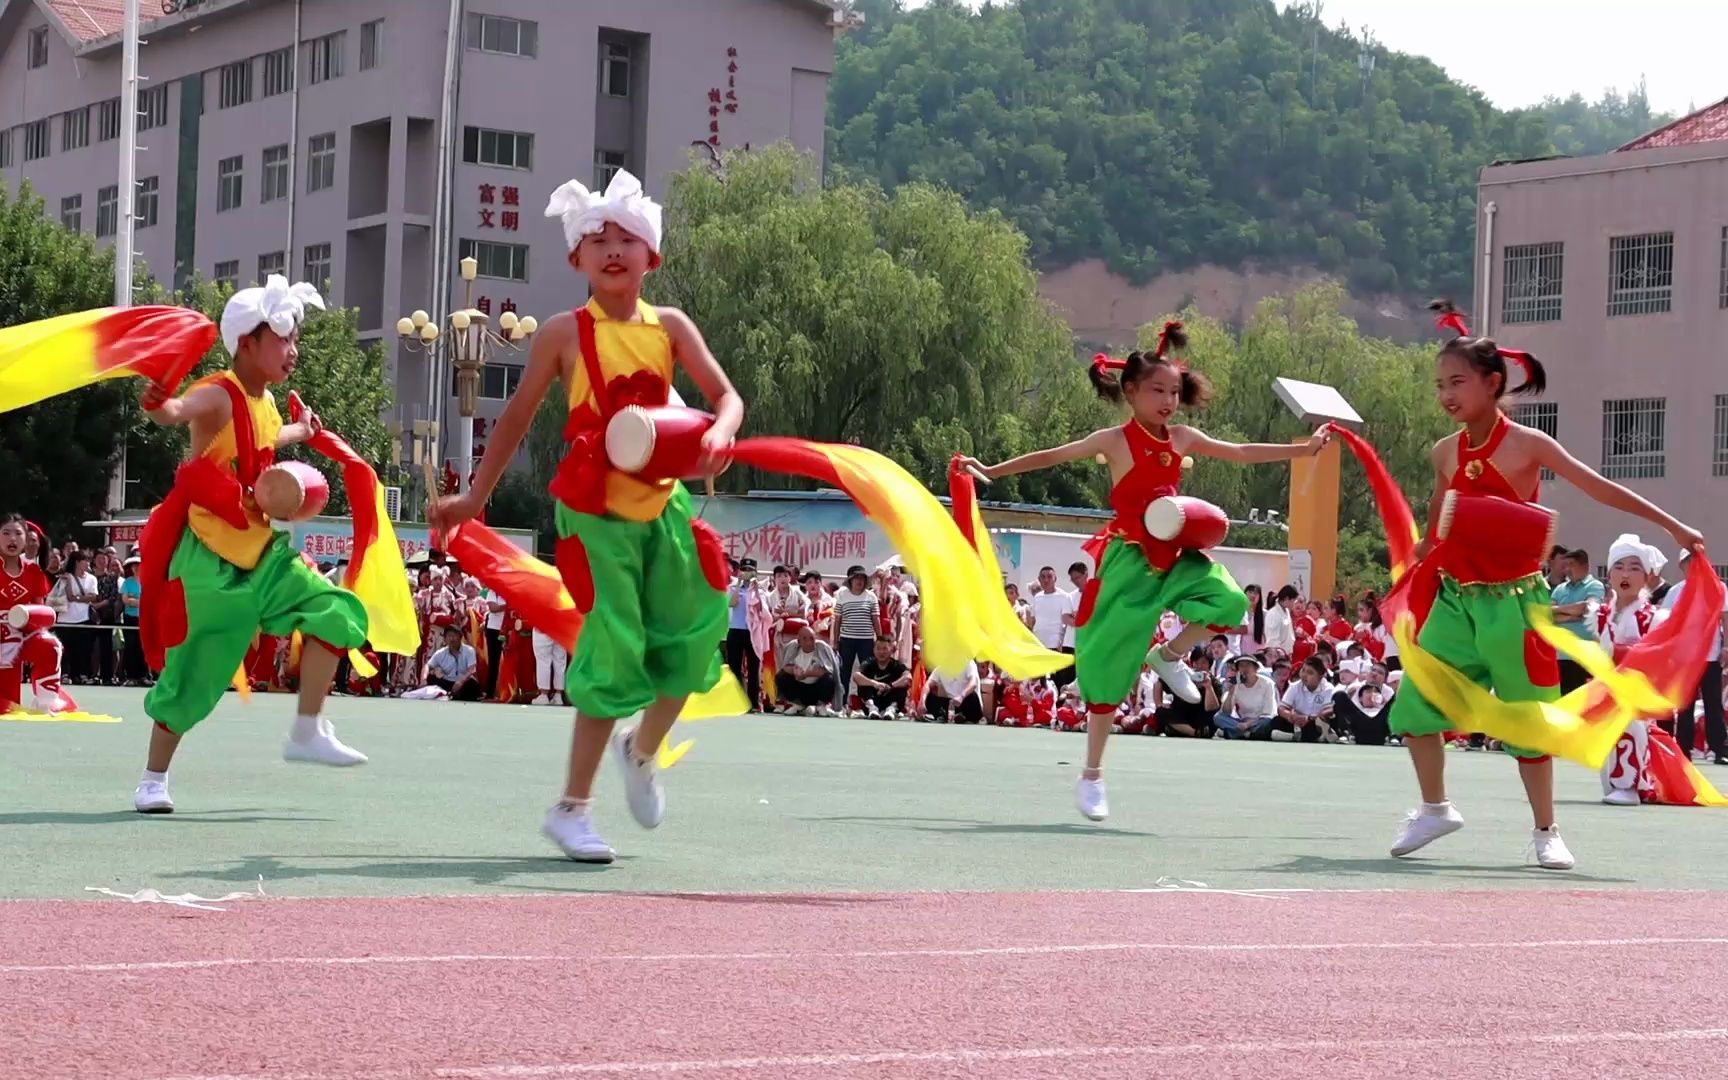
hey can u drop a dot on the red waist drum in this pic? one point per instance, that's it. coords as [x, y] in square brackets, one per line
[291, 491]
[1186, 522]
[29, 618]
[1485, 540]
[659, 443]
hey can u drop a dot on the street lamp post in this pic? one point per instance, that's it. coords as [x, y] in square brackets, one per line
[466, 347]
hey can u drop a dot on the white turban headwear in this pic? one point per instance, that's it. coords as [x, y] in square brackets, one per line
[584, 212]
[1628, 546]
[276, 302]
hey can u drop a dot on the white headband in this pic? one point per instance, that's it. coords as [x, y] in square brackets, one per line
[1628, 546]
[584, 213]
[276, 303]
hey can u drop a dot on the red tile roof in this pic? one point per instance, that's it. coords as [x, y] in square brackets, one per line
[90, 20]
[1709, 124]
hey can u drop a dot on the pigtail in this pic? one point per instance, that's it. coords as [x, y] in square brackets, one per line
[1196, 388]
[1108, 386]
[1535, 375]
[1485, 354]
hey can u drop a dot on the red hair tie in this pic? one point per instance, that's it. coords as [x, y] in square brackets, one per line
[1170, 328]
[1519, 357]
[1454, 322]
[1106, 362]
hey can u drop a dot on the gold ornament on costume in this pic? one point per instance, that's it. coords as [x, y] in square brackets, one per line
[1164, 458]
[1473, 469]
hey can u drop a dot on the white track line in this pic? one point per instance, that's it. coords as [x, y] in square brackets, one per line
[983, 1056]
[124, 967]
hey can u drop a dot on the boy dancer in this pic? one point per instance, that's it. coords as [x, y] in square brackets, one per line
[650, 579]
[215, 573]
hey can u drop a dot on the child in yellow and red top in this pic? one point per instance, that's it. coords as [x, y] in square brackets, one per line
[650, 579]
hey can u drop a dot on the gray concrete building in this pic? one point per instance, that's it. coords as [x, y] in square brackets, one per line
[1613, 270]
[304, 136]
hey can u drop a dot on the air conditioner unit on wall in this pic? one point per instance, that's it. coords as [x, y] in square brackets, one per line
[393, 503]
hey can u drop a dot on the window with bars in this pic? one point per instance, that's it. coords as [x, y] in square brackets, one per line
[279, 71]
[321, 162]
[153, 107]
[38, 47]
[36, 140]
[226, 273]
[1634, 438]
[1719, 455]
[327, 55]
[607, 164]
[497, 381]
[1531, 289]
[230, 183]
[235, 84]
[144, 208]
[72, 213]
[275, 180]
[317, 265]
[108, 120]
[371, 44]
[1723, 301]
[272, 262]
[1641, 274]
[502, 35]
[75, 129]
[506, 261]
[504, 149]
[615, 68]
[1544, 416]
[108, 210]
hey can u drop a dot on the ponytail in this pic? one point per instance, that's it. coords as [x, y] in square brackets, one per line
[1484, 355]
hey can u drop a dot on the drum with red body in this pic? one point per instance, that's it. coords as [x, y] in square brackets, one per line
[792, 625]
[29, 618]
[660, 443]
[1487, 539]
[291, 491]
[1186, 522]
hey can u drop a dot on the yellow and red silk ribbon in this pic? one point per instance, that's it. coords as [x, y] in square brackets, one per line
[1657, 675]
[42, 359]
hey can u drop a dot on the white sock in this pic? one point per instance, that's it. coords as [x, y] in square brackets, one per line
[1437, 808]
[579, 806]
[305, 728]
[154, 777]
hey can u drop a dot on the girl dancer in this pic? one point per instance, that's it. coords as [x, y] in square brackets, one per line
[1139, 577]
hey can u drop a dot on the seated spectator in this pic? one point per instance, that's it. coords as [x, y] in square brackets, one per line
[1305, 714]
[1354, 667]
[1281, 676]
[882, 680]
[1138, 713]
[809, 672]
[1070, 709]
[1250, 703]
[954, 699]
[454, 668]
[1218, 652]
[1028, 703]
[1360, 711]
[1190, 720]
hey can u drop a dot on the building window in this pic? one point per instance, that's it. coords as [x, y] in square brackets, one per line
[1719, 458]
[108, 120]
[327, 54]
[607, 164]
[371, 44]
[505, 149]
[236, 84]
[505, 36]
[75, 129]
[1531, 292]
[1724, 286]
[615, 69]
[1633, 433]
[72, 217]
[272, 262]
[36, 140]
[230, 182]
[497, 381]
[152, 107]
[145, 207]
[506, 261]
[107, 210]
[5, 148]
[38, 47]
[321, 162]
[275, 184]
[317, 265]
[1640, 274]
[227, 273]
[279, 71]
[1544, 416]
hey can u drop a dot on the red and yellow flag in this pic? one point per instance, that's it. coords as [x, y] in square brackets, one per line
[42, 359]
[530, 587]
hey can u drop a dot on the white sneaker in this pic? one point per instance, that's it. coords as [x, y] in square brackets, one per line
[1423, 827]
[573, 831]
[323, 748]
[809, 710]
[151, 797]
[1623, 797]
[1089, 797]
[1551, 851]
[1283, 736]
[1175, 675]
[642, 788]
[871, 711]
[890, 713]
[541, 700]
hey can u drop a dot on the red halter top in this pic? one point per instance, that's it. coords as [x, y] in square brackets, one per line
[1156, 472]
[1476, 475]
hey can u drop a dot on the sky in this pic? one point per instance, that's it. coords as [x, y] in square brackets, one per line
[1519, 51]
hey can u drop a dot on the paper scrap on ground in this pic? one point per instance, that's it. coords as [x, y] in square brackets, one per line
[185, 900]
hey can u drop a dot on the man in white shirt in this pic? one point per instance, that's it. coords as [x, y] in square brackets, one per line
[453, 667]
[1709, 687]
[1306, 712]
[1250, 704]
[1053, 619]
[955, 698]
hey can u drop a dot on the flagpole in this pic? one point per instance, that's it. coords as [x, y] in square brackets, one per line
[127, 202]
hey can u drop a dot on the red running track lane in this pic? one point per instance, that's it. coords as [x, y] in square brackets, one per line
[1348, 986]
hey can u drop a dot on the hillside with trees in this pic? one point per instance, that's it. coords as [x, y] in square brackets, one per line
[1161, 134]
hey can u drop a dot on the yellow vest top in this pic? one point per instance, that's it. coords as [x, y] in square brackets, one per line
[242, 547]
[626, 348]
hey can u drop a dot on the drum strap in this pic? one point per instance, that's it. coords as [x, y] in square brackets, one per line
[591, 362]
[249, 461]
